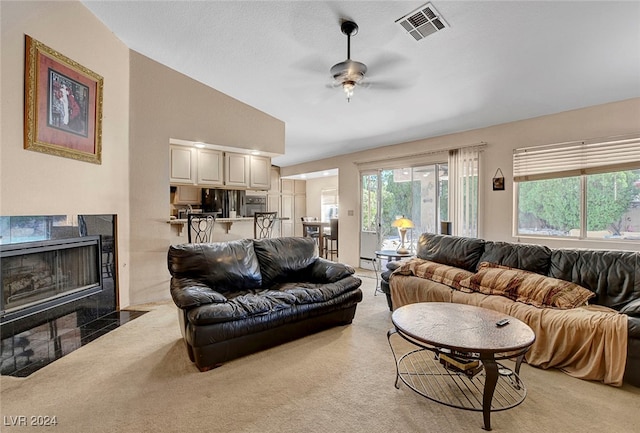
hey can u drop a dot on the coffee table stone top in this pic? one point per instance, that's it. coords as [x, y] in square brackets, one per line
[461, 327]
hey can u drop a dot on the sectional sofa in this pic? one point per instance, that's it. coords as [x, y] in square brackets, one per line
[583, 305]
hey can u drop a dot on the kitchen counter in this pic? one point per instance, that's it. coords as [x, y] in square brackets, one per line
[226, 222]
[218, 220]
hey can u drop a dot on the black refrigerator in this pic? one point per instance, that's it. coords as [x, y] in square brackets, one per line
[223, 201]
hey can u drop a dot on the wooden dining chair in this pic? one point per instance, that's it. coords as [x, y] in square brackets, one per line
[312, 232]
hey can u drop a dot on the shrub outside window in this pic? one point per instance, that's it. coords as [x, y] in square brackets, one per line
[552, 207]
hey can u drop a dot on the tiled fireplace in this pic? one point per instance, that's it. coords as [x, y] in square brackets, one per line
[59, 287]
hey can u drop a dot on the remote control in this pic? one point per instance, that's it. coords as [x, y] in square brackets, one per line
[502, 322]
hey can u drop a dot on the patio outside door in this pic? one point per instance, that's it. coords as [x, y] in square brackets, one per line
[370, 217]
[418, 193]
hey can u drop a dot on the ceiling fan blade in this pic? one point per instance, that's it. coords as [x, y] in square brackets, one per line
[312, 65]
[386, 62]
[384, 85]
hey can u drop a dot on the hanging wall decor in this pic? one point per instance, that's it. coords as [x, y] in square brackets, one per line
[498, 181]
[63, 105]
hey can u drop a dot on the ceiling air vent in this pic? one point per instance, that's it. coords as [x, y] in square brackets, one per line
[422, 22]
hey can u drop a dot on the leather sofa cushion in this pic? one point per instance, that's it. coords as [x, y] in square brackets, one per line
[223, 266]
[284, 259]
[455, 251]
[267, 302]
[529, 257]
[613, 275]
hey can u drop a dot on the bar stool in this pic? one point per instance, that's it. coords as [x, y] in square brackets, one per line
[201, 224]
[263, 223]
[331, 240]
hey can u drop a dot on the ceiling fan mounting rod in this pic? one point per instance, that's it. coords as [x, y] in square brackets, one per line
[349, 28]
[348, 73]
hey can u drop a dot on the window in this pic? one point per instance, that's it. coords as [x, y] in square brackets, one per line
[581, 190]
[417, 193]
[434, 187]
[369, 201]
[328, 204]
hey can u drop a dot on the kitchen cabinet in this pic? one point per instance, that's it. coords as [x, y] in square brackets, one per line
[183, 165]
[287, 186]
[247, 171]
[237, 168]
[299, 210]
[210, 167]
[260, 172]
[214, 168]
[294, 205]
[288, 225]
[187, 195]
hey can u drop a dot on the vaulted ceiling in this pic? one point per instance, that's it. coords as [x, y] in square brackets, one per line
[493, 62]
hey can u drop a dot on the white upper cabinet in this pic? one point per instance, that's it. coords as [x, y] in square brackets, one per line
[210, 167]
[183, 167]
[260, 173]
[237, 170]
[213, 167]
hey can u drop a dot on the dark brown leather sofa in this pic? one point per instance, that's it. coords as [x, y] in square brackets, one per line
[614, 276]
[239, 297]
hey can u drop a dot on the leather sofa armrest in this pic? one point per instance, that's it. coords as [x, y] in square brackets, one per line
[392, 266]
[326, 271]
[632, 308]
[188, 293]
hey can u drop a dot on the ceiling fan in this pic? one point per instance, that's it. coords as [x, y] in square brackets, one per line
[349, 73]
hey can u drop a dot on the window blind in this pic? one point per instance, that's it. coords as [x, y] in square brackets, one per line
[576, 158]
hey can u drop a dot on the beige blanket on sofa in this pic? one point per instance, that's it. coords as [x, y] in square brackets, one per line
[587, 342]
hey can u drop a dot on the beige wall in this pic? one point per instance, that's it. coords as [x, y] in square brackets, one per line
[166, 104]
[496, 207]
[314, 190]
[33, 183]
[145, 104]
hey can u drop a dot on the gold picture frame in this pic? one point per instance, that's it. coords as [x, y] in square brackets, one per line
[63, 105]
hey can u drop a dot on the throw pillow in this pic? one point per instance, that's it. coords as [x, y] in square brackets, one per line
[527, 287]
[448, 275]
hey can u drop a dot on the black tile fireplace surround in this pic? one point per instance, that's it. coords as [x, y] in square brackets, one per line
[33, 336]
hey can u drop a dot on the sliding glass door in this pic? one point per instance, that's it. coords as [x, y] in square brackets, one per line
[370, 214]
[417, 193]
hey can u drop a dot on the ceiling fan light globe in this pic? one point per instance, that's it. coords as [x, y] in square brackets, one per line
[348, 87]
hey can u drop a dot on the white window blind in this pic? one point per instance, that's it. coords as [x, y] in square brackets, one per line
[328, 197]
[576, 158]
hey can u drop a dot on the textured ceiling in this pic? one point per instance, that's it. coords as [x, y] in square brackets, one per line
[498, 61]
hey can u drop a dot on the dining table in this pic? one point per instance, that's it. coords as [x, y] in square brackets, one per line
[320, 225]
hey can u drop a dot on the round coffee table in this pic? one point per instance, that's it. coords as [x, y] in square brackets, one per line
[458, 346]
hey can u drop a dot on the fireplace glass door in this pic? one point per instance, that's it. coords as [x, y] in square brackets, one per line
[48, 271]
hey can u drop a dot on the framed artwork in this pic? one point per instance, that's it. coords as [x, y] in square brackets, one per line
[498, 181]
[63, 105]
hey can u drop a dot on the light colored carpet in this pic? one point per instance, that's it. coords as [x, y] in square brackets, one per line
[138, 378]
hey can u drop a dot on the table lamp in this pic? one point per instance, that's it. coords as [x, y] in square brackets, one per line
[403, 224]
